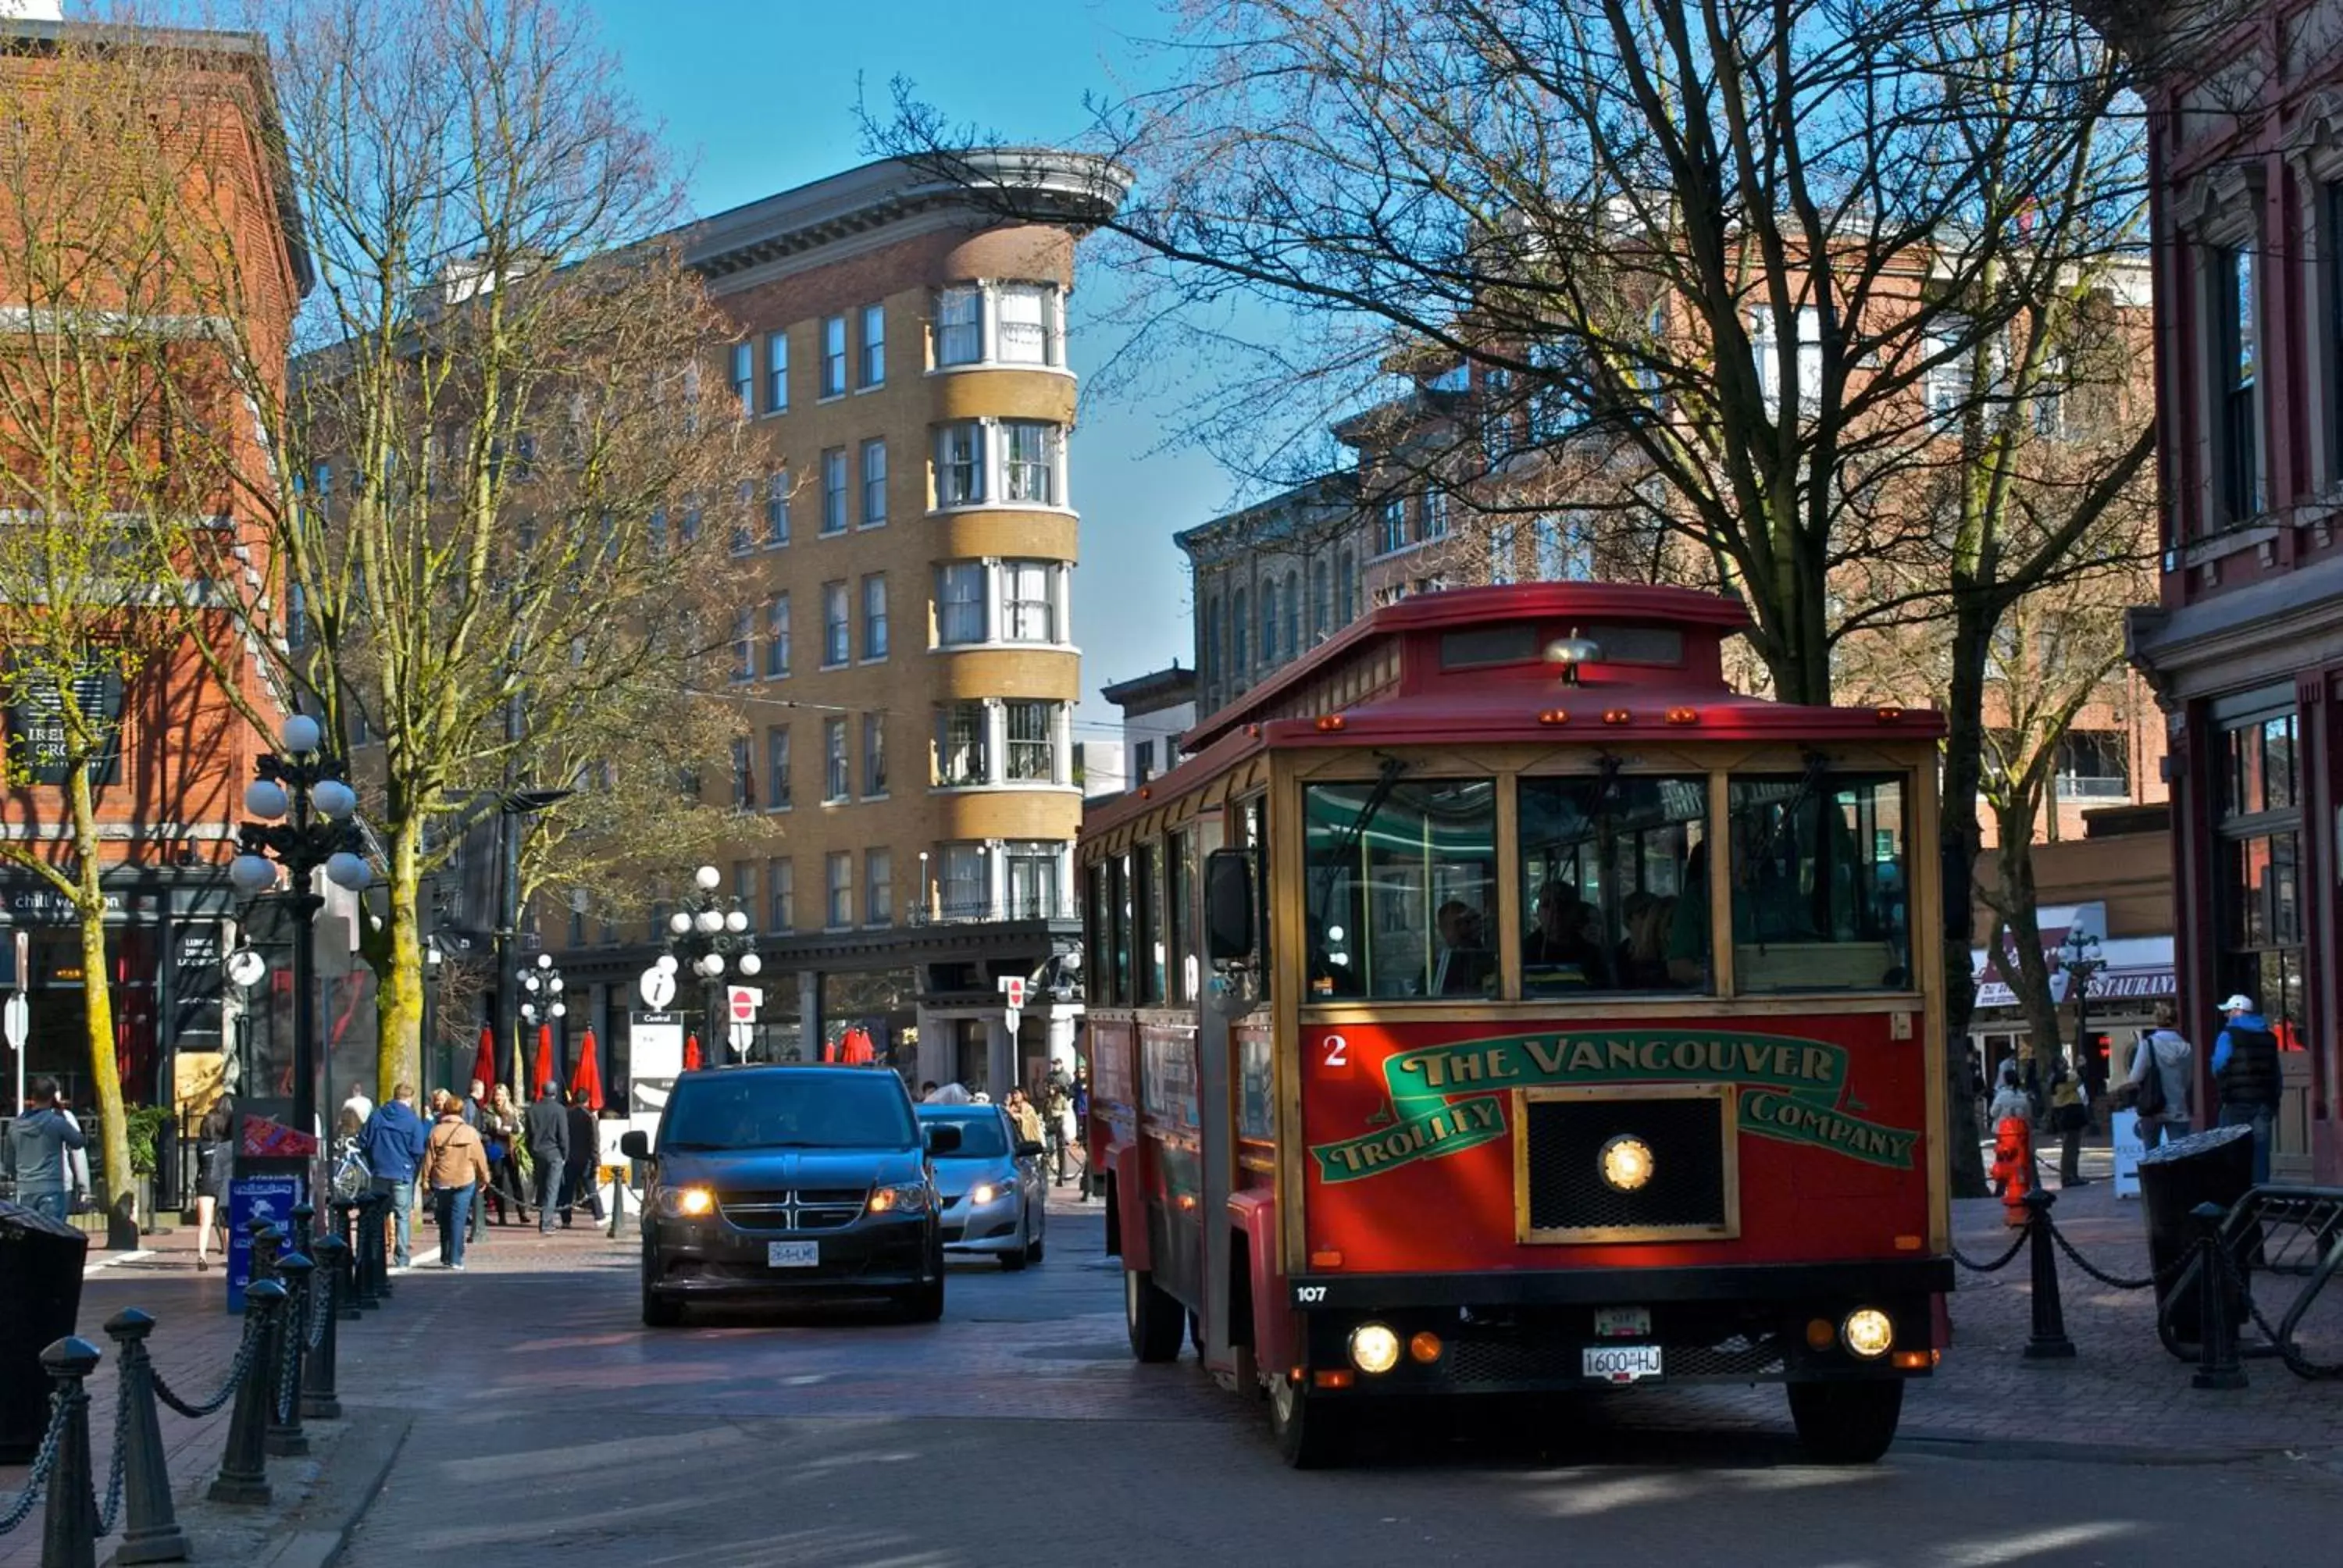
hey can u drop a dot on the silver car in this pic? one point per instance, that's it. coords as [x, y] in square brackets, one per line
[994, 1196]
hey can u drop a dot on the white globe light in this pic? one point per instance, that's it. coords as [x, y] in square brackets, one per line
[750, 963]
[708, 877]
[302, 735]
[529, 1010]
[736, 923]
[545, 960]
[712, 965]
[667, 964]
[264, 798]
[334, 799]
[678, 923]
[708, 921]
[561, 1010]
[345, 869]
[252, 873]
[528, 982]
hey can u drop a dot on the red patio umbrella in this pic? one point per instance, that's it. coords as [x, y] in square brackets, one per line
[586, 1077]
[691, 1053]
[544, 1073]
[484, 1065]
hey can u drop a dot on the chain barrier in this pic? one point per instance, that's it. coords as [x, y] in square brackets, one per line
[38, 1476]
[110, 1514]
[2016, 1246]
[197, 1409]
[2161, 1279]
[288, 1367]
[321, 1308]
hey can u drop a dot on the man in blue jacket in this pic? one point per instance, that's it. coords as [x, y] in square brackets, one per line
[393, 1142]
[2246, 1074]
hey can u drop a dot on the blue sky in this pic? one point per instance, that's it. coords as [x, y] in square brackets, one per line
[757, 97]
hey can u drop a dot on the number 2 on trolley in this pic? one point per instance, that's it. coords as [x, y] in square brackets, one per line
[1333, 1056]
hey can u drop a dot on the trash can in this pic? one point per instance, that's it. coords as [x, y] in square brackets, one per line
[2211, 1167]
[40, 1301]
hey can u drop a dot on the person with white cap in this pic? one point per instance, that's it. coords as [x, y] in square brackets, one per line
[2245, 1076]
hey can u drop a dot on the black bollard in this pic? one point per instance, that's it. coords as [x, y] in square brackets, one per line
[305, 1228]
[618, 1204]
[369, 1233]
[346, 1219]
[286, 1440]
[150, 1530]
[69, 1528]
[243, 1469]
[319, 1401]
[2049, 1343]
[2218, 1365]
[268, 1242]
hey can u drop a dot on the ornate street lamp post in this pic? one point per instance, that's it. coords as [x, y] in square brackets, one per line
[306, 819]
[707, 937]
[540, 1001]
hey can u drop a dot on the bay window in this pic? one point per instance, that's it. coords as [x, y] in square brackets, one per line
[1035, 878]
[1026, 325]
[963, 732]
[960, 602]
[959, 465]
[1031, 729]
[960, 326]
[999, 324]
[1027, 602]
[1029, 461]
[965, 890]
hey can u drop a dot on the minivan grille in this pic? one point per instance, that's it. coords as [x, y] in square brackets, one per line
[793, 1209]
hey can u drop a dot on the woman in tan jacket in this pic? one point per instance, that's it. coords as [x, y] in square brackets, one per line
[455, 1168]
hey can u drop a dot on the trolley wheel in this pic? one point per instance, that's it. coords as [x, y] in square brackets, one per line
[1153, 1319]
[1847, 1423]
[1311, 1434]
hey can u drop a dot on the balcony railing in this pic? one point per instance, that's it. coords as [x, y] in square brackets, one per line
[972, 911]
[2080, 787]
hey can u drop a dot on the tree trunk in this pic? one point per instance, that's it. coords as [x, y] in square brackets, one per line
[398, 1010]
[1957, 853]
[2024, 929]
[119, 1192]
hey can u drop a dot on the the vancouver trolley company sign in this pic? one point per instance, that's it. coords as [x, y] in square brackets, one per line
[1446, 1099]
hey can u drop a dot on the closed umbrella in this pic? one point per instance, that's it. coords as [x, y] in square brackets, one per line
[858, 1050]
[691, 1053]
[484, 1065]
[544, 1074]
[586, 1077]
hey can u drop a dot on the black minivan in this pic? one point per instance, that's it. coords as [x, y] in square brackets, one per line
[789, 1183]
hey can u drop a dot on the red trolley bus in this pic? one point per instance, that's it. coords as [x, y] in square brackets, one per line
[1496, 1001]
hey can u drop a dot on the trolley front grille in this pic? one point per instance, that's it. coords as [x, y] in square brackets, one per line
[1690, 1187]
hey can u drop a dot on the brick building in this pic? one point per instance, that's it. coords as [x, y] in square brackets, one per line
[908, 676]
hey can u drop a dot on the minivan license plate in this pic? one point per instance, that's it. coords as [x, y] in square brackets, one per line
[1621, 1323]
[1622, 1363]
[792, 1255]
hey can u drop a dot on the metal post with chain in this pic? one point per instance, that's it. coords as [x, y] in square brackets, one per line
[152, 1533]
[69, 1526]
[2049, 1340]
[319, 1400]
[284, 1439]
[244, 1467]
[2218, 1365]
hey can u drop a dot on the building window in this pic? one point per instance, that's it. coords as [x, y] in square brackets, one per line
[690, 529]
[1035, 874]
[1028, 604]
[777, 372]
[874, 483]
[833, 490]
[1239, 616]
[2331, 211]
[1032, 736]
[959, 465]
[1435, 514]
[1293, 614]
[1027, 324]
[1029, 462]
[1564, 548]
[963, 730]
[837, 644]
[1321, 600]
[837, 785]
[1209, 659]
[2238, 432]
[1269, 643]
[960, 603]
[744, 776]
[2258, 874]
[744, 882]
[777, 637]
[833, 357]
[742, 539]
[964, 890]
[1143, 762]
[1391, 527]
[1346, 587]
[777, 767]
[577, 900]
[744, 376]
[777, 510]
[2095, 765]
[841, 911]
[782, 887]
[877, 887]
[873, 368]
[960, 326]
[744, 644]
[874, 756]
[874, 616]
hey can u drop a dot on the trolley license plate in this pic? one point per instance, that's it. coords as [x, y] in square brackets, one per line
[793, 1255]
[1621, 1323]
[1622, 1363]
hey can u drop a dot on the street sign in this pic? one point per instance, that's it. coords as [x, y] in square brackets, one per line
[658, 988]
[19, 1020]
[1012, 990]
[742, 1036]
[742, 1002]
[1011, 1018]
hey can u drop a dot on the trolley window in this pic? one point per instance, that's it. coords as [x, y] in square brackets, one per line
[1609, 898]
[1820, 882]
[1180, 898]
[1402, 888]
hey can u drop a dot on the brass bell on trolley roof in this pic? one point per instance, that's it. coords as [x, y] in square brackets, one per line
[1570, 652]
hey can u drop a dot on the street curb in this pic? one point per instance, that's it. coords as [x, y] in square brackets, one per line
[1952, 1445]
[354, 1477]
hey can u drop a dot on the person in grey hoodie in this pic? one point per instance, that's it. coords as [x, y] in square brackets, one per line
[40, 1144]
[2162, 1050]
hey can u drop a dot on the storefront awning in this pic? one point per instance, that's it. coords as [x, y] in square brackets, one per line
[2138, 969]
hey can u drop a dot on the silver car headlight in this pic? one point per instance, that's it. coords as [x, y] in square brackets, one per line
[985, 1192]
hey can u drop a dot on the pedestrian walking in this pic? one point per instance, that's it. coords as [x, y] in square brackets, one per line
[582, 1174]
[1057, 1117]
[500, 1131]
[455, 1168]
[2246, 1073]
[470, 1107]
[358, 1107]
[40, 1146]
[549, 1151]
[392, 1143]
[2163, 1088]
[2070, 1113]
[214, 1163]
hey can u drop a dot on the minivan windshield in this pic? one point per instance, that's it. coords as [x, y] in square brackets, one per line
[788, 1109]
[981, 1137]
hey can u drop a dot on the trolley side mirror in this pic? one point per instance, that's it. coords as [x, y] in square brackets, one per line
[1228, 906]
[635, 1144]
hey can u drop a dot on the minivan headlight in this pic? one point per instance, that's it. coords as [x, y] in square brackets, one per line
[911, 1198]
[686, 1202]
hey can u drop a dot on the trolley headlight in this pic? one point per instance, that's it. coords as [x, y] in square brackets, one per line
[1625, 1163]
[1374, 1349]
[1868, 1332]
[686, 1202]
